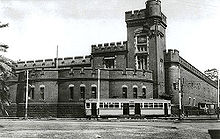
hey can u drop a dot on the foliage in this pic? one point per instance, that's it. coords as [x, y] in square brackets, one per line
[6, 71]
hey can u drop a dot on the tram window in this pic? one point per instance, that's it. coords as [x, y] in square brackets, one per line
[131, 104]
[111, 105]
[141, 105]
[146, 105]
[156, 105]
[116, 105]
[101, 105]
[106, 105]
[150, 105]
[160, 105]
[87, 105]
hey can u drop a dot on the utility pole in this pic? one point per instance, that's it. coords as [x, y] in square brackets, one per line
[180, 96]
[218, 95]
[26, 103]
[99, 86]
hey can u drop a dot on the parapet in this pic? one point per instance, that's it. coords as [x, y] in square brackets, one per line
[51, 63]
[110, 47]
[135, 15]
[172, 56]
[196, 72]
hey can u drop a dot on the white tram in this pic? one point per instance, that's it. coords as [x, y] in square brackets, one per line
[120, 107]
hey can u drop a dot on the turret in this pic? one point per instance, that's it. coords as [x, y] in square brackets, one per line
[153, 8]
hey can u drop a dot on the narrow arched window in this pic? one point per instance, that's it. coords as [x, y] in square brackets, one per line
[71, 90]
[82, 91]
[194, 101]
[189, 100]
[32, 91]
[144, 92]
[42, 88]
[124, 91]
[134, 91]
[93, 89]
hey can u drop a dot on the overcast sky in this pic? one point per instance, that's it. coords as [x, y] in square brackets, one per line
[36, 27]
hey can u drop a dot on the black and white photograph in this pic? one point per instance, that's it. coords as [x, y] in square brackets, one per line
[116, 69]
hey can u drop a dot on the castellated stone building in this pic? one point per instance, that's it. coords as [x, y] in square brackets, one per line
[139, 68]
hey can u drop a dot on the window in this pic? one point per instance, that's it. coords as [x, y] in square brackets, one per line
[82, 91]
[160, 105]
[189, 100]
[146, 105]
[109, 62]
[194, 102]
[141, 62]
[116, 105]
[131, 105]
[156, 105]
[93, 91]
[124, 92]
[106, 105]
[71, 89]
[101, 105]
[150, 105]
[135, 92]
[42, 87]
[111, 105]
[141, 39]
[87, 105]
[174, 86]
[144, 92]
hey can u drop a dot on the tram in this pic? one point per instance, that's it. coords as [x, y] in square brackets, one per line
[122, 107]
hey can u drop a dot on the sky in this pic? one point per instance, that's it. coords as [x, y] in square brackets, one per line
[36, 27]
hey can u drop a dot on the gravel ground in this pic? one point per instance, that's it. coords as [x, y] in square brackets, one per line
[93, 129]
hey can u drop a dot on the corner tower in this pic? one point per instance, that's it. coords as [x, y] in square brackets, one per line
[146, 42]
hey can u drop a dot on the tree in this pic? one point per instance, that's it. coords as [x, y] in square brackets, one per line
[6, 71]
[212, 74]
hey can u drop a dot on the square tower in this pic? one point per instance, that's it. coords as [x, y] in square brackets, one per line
[146, 42]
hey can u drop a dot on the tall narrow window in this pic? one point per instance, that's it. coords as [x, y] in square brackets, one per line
[124, 91]
[94, 88]
[42, 87]
[189, 100]
[71, 89]
[194, 102]
[82, 91]
[144, 92]
[135, 92]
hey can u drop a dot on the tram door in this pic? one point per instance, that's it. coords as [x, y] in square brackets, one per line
[137, 110]
[125, 108]
[94, 110]
[165, 109]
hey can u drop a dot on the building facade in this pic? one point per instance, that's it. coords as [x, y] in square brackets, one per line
[140, 67]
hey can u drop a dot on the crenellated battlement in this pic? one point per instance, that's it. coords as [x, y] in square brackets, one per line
[110, 47]
[46, 63]
[172, 56]
[135, 15]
